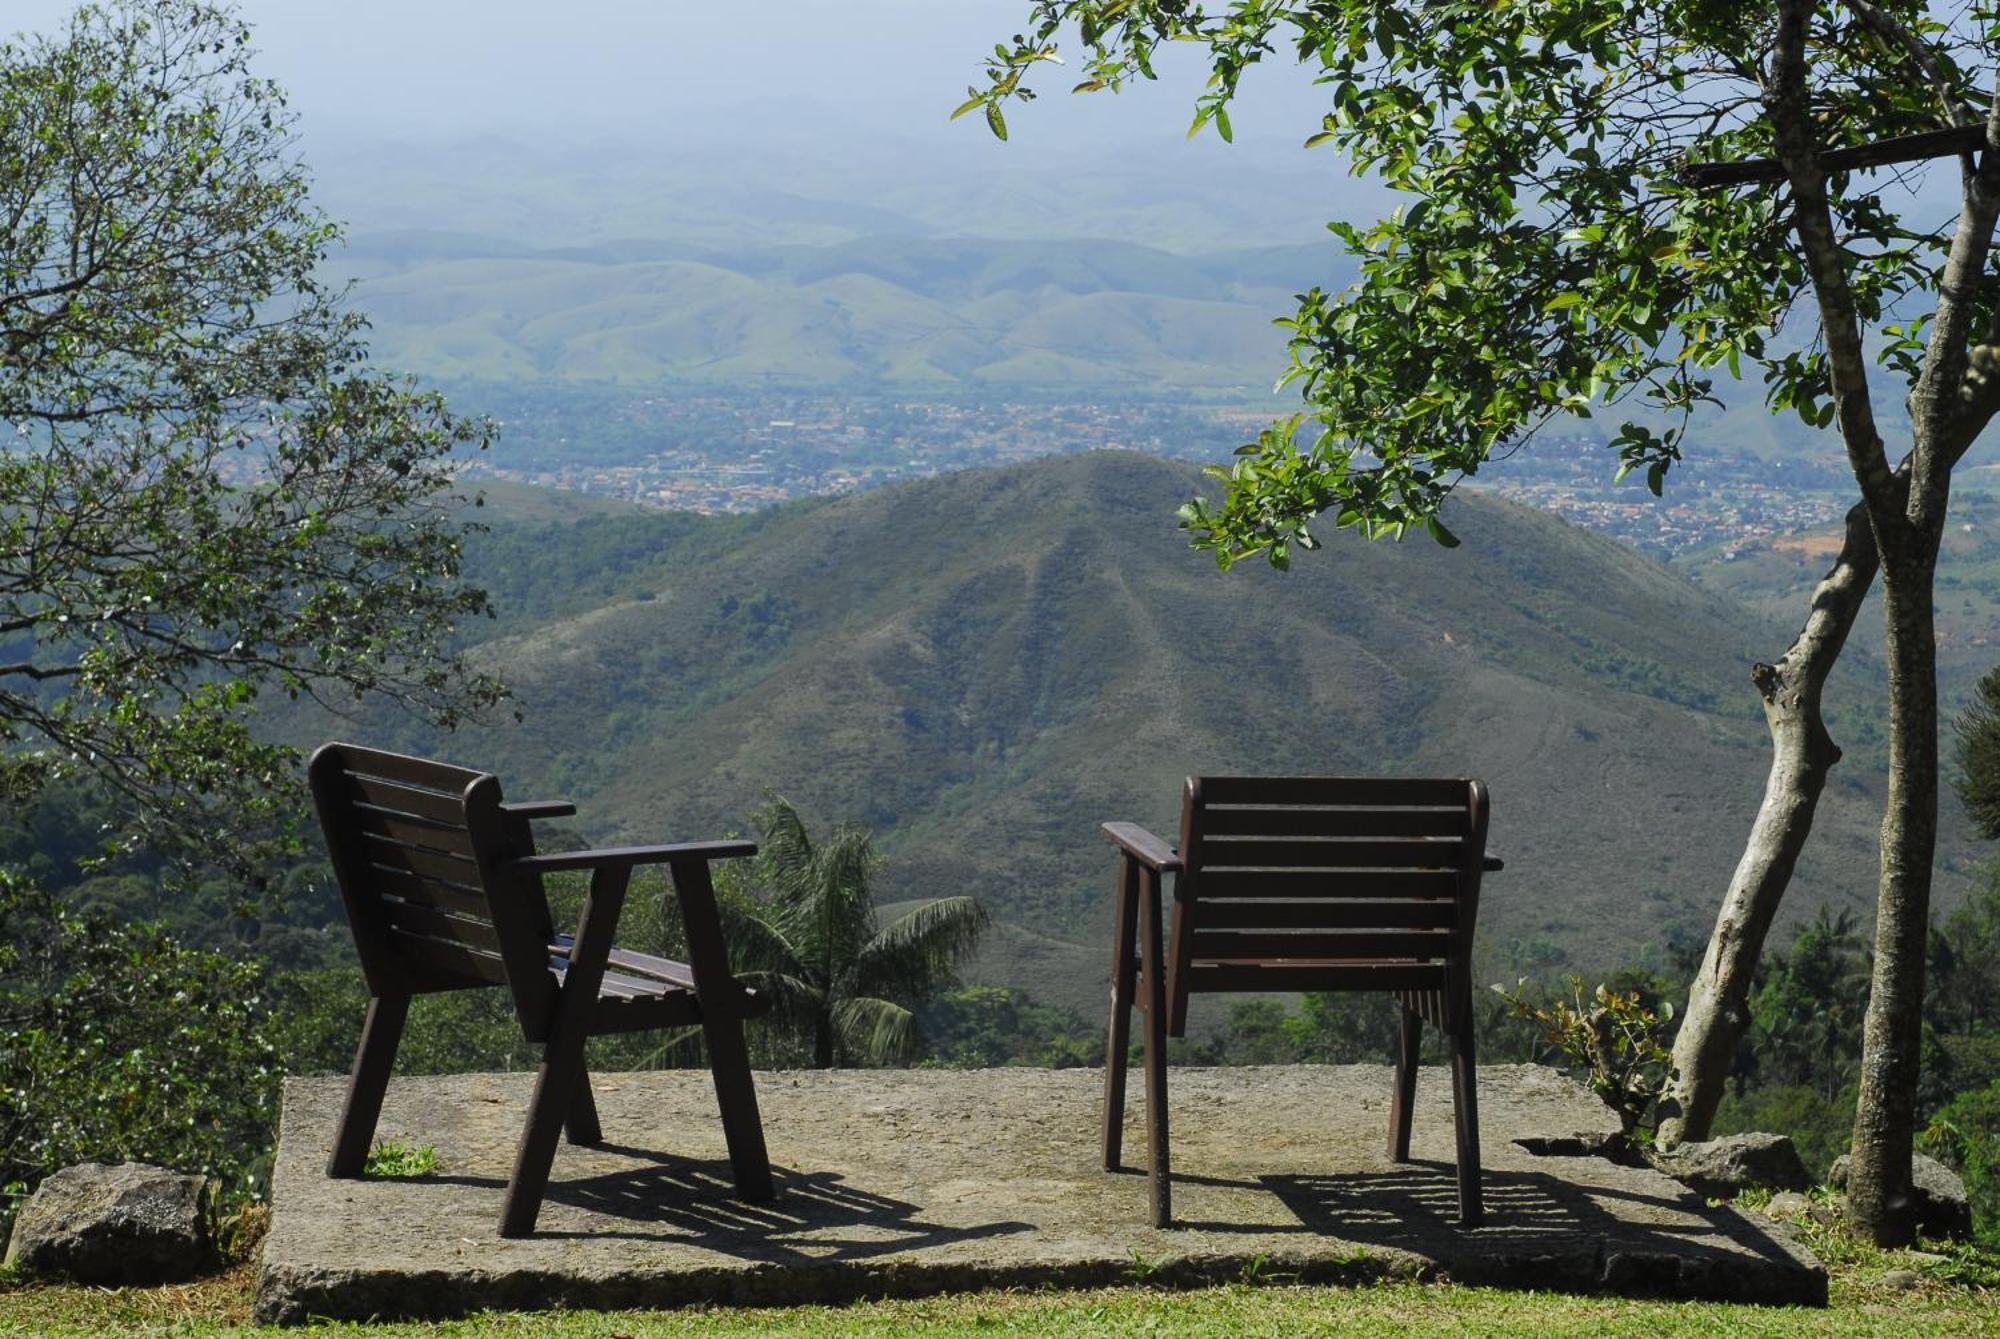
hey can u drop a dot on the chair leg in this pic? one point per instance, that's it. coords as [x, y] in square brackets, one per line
[562, 1068]
[582, 1123]
[1465, 1119]
[381, 1031]
[1159, 1168]
[1124, 972]
[736, 1095]
[555, 1098]
[1403, 1095]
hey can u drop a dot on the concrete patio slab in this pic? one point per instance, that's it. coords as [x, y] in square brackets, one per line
[912, 1182]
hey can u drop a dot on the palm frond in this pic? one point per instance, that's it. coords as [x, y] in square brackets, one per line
[843, 912]
[757, 943]
[786, 857]
[918, 953]
[879, 1032]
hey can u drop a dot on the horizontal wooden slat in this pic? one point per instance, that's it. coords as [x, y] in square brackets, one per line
[426, 953]
[399, 767]
[1392, 853]
[1267, 883]
[412, 887]
[620, 985]
[435, 805]
[411, 831]
[642, 964]
[633, 987]
[1329, 914]
[437, 864]
[1308, 821]
[429, 921]
[1385, 976]
[1332, 790]
[1363, 944]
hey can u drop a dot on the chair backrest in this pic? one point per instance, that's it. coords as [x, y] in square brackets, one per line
[1326, 883]
[418, 848]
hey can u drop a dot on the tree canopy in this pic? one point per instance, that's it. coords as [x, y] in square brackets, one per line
[205, 490]
[1555, 260]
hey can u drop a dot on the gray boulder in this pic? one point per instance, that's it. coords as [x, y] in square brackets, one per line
[1725, 1168]
[120, 1225]
[1943, 1209]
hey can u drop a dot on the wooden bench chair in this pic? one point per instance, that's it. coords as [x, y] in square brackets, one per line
[1303, 883]
[444, 892]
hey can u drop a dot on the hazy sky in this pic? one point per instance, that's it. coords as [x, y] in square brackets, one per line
[447, 67]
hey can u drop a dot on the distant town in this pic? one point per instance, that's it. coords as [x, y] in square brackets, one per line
[738, 452]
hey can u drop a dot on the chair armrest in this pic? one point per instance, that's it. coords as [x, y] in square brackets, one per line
[1143, 847]
[1492, 863]
[612, 856]
[539, 809]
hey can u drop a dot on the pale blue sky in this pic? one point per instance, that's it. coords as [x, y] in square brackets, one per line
[597, 66]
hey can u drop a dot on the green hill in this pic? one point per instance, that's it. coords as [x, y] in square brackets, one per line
[895, 312]
[986, 665]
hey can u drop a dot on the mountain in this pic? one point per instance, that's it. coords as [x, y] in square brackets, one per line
[984, 666]
[911, 313]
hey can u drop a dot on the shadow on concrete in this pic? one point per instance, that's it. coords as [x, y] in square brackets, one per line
[815, 1216]
[1539, 1231]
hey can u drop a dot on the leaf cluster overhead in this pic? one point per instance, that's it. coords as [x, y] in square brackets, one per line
[1551, 262]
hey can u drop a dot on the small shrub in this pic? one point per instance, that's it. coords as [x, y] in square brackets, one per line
[1616, 1041]
[392, 1160]
[119, 1043]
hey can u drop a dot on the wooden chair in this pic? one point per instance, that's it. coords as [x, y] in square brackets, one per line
[444, 892]
[1303, 883]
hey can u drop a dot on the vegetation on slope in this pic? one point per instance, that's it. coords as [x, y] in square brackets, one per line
[983, 666]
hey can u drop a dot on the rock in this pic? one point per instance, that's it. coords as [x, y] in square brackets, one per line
[123, 1224]
[1902, 1280]
[1787, 1205]
[1724, 1168]
[1942, 1207]
[1943, 1210]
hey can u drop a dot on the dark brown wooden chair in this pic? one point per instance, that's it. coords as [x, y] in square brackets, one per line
[1303, 883]
[444, 892]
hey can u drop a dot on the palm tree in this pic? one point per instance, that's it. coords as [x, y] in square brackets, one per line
[843, 983]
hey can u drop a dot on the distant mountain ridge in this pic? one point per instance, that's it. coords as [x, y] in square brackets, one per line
[900, 312]
[986, 665]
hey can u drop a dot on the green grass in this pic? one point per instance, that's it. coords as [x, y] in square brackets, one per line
[1861, 1305]
[392, 1160]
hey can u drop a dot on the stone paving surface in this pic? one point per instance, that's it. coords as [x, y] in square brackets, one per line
[911, 1182]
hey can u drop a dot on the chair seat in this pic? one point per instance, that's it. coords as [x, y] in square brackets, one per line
[1302, 961]
[640, 991]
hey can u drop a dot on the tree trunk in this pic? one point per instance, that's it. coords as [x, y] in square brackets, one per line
[1881, 1204]
[1718, 1007]
[823, 1042]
